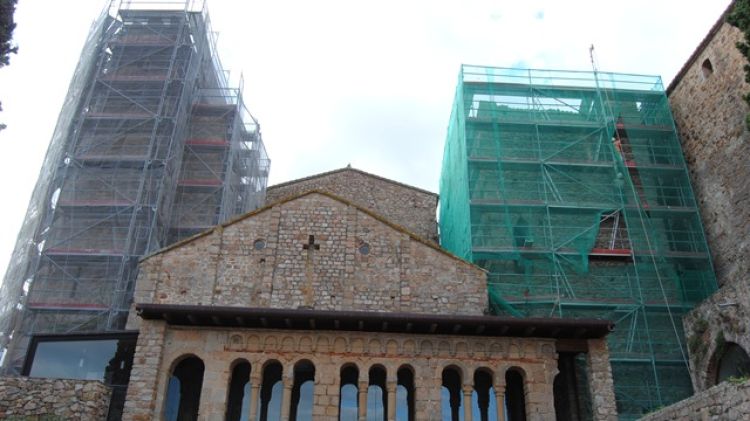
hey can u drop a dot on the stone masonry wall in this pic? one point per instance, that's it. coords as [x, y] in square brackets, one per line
[425, 355]
[726, 402]
[141, 397]
[361, 264]
[412, 208]
[601, 384]
[27, 399]
[710, 116]
[723, 317]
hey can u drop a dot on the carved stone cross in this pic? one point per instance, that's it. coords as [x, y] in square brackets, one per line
[310, 246]
[307, 289]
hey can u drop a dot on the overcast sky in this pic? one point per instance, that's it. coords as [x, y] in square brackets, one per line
[336, 82]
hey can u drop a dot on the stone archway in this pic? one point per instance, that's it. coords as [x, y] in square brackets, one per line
[733, 362]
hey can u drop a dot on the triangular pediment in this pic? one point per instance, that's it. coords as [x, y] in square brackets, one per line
[313, 250]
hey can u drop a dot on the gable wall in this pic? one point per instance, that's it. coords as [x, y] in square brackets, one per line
[399, 274]
[410, 208]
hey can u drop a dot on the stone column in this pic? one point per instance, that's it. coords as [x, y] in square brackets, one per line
[362, 405]
[391, 386]
[286, 398]
[539, 391]
[255, 380]
[427, 403]
[325, 382]
[213, 396]
[467, 389]
[500, 400]
[142, 400]
[601, 385]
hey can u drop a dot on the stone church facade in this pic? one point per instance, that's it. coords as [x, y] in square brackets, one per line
[298, 309]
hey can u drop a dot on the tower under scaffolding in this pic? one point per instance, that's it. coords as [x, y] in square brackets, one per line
[151, 146]
[570, 188]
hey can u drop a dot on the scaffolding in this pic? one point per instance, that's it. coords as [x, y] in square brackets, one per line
[570, 188]
[151, 146]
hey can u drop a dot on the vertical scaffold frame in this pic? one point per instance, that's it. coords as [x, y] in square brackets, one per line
[151, 146]
[571, 189]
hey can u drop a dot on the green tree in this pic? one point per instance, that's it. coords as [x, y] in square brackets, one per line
[740, 18]
[7, 8]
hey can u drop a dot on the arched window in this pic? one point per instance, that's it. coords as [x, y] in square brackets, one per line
[184, 390]
[377, 398]
[483, 401]
[707, 68]
[271, 391]
[238, 399]
[734, 362]
[515, 400]
[349, 394]
[303, 391]
[452, 407]
[405, 394]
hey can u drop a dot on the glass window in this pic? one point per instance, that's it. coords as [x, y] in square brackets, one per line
[106, 359]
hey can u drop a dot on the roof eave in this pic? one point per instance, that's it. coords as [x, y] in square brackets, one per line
[391, 322]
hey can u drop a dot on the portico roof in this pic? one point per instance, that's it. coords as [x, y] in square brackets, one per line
[370, 321]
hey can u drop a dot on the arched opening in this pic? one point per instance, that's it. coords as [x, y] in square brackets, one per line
[184, 390]
[570, 394]
[238, 399]
[451, 395]
[734, 362]
[483, 401]
[349, 394]
[515, 399]
[303, 391]
[405, 394]
[377, 398]
[707, 67]
[271, 391]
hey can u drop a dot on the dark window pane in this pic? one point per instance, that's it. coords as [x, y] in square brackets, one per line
[173, 399]
[237, 401]
[84, 360]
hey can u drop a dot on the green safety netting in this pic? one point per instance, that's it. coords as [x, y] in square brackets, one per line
[570, 188]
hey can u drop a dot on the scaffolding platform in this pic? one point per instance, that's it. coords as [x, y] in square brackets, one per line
[151, 145]
[570, 188]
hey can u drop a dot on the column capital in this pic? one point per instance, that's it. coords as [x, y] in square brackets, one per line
[467, 388]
